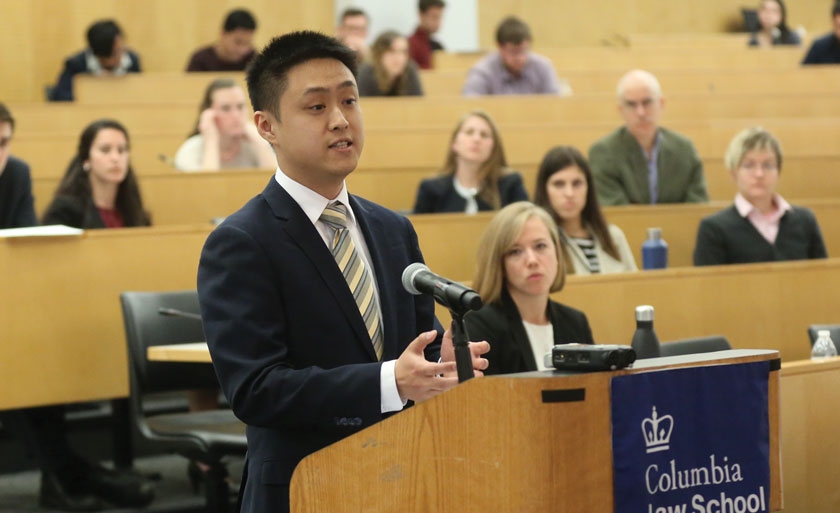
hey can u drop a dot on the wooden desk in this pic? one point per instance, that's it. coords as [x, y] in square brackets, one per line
[623, 58]
[691, 95]
[424, 147]
[178, 198]
[61, 323]
[60, 301]
[194, 352]
[146, 88]
[674, 81]
[810, 446]
[440, 233]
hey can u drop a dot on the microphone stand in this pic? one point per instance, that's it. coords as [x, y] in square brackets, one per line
[460, 339]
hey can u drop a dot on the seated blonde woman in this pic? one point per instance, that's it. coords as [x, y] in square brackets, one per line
[761, 226]
[519, 265]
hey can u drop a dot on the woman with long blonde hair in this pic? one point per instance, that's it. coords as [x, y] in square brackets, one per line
[520, 265]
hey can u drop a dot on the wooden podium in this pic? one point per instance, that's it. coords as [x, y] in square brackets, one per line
[538, 442]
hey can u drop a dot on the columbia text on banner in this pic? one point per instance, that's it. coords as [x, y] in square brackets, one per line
[692, 440]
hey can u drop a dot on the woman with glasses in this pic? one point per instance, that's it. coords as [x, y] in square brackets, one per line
[761, 226]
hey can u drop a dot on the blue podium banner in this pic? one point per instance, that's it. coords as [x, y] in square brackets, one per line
[692, 440]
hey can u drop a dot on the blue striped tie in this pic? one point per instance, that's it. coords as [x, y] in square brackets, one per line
[353, 268]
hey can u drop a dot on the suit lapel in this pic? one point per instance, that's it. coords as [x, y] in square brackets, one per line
[638, 165]
[300, 229]
[517, 330]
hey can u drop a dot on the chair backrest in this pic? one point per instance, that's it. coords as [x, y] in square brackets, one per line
[834, 332]
[694, 345]
[145, 326]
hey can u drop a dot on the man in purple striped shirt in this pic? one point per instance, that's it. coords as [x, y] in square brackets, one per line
[513, 69]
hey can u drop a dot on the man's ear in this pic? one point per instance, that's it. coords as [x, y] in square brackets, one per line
[265, 123]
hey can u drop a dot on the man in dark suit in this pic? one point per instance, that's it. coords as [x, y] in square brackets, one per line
[643, 162]
[297, 359]
[17, 206]
[105, 55]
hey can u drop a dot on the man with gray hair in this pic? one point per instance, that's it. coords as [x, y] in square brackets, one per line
[642, 162]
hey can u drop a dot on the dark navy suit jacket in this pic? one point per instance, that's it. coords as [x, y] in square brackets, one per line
[75, 64]
[288, 342]
[437, 195]
[500, 324]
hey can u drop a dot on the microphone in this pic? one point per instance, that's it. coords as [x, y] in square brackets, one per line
[418, 279]
[172, 312]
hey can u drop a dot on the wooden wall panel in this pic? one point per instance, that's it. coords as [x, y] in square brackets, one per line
[163, 32]
[596, 22]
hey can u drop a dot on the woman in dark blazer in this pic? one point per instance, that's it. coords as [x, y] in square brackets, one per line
[99, 189]
[760, 226]
[475, 175]
[520, 264]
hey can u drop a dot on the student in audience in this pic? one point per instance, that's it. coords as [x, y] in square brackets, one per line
[772, 26]
[106, 55]
[352, 31]
[826, 49]
[17, 206]
[761, 226]
[565, 189]
[233, 50]
[519, 265]
[475, 175]
[420, 44]
[224, 137]
[390, 72]
[99, 188]
[642, 162]
[513, 69]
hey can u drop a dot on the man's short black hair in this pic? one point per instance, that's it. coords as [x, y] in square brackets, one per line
[6, 116]
[268, 73]
[352, 11]
[239, 19]
[512, 30]
[101, 36]
[425, 5]
[835, 9]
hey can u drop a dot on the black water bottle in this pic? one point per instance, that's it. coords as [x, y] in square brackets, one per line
[645, 341]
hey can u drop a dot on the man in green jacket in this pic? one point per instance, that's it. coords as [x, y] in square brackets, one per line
[642, 162]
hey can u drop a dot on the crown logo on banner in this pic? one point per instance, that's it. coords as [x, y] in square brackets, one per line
[657, 432]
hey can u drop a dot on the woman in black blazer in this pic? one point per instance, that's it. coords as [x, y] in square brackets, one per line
[475, 175]
[99, 189]
[520, 264]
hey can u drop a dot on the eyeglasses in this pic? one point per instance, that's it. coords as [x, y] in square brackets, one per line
[767, 167]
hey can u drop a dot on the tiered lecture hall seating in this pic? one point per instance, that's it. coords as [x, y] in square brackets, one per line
[713, 89]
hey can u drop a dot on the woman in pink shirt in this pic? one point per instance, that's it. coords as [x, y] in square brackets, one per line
[761, 226]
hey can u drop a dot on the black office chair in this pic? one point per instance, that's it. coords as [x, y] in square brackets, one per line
[833, 329]
[694, 345]
[205, 436]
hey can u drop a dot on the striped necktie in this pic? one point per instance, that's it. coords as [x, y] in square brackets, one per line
[353, 268]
